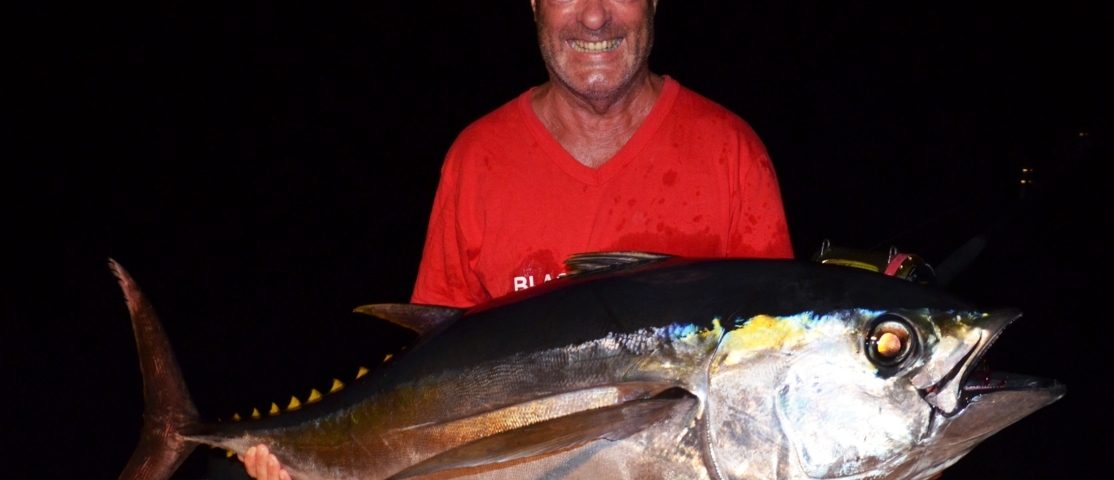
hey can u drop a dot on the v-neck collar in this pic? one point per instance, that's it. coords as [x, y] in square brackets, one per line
[629, 151]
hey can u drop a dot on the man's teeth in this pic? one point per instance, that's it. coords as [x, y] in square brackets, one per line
[595, 47]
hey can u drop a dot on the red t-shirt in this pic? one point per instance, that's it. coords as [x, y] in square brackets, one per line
[512, 204]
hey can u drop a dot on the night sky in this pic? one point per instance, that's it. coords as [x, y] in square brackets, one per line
[262, 169]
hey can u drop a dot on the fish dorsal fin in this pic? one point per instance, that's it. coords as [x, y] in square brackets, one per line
[422, 319]
[582, 263]
[551, 436]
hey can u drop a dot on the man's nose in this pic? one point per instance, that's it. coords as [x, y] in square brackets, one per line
[595, 14]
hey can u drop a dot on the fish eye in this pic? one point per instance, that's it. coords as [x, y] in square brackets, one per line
[891, 340]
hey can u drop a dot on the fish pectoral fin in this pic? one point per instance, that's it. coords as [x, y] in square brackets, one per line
[421, 319]
[551, 436]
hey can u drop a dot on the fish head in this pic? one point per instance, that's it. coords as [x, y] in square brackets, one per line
[861, 393]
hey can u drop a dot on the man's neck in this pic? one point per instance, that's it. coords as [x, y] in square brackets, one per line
[593, 130]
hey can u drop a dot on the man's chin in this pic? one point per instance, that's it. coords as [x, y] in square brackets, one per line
[596, 87]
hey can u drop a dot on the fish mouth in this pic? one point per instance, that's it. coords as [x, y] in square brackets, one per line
[990, 401]
[971, 378]
[983, 384]
[983, 381]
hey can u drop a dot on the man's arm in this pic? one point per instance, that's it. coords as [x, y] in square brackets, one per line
[758, 223]
[759, 227]
[445, 276]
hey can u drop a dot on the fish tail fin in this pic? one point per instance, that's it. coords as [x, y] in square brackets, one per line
[168, 409]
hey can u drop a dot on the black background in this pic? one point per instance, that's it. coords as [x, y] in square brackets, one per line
[261, 169]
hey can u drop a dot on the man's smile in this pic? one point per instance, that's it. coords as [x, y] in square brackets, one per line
[595, 47]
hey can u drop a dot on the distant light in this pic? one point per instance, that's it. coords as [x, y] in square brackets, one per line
[1083, 134]
[1026, 176]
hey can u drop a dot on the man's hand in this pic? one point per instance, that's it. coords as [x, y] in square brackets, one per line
[261, 464]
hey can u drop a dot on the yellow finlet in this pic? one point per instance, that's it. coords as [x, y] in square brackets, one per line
[236, 417]
[294, 404]
[274, 409]
[361, 372]
[337, 385]
[314, 396]
[255, 415]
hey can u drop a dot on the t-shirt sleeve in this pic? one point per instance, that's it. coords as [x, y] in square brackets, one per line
[446, 276]
[758, 223]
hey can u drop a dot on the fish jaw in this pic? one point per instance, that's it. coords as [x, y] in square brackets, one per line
[995, 402]
[970, 403]
[1013, 398]
[962, 342]
[952, 382]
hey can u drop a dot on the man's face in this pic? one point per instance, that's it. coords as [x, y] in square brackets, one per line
[595, 47]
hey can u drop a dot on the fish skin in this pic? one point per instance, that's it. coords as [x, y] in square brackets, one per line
[649, 367]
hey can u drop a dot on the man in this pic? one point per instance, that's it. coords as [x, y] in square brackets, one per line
[605, 156]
